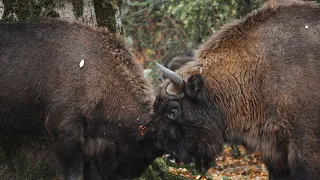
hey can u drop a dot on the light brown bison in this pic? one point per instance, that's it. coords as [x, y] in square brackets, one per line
[256, 83]
[81, 86]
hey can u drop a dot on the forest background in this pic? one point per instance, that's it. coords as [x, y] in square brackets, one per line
[155, 31]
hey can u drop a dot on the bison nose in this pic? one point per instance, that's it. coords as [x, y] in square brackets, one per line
[170, 158]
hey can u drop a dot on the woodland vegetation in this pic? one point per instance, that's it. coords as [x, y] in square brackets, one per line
[155, 30]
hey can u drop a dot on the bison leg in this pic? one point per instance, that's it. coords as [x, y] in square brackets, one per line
[278, 174]
[274, 176]
[308, 168]
[69, 134]
[72, 165]
[297, 174]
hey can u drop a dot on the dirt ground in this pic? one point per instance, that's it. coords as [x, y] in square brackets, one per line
[245, 166]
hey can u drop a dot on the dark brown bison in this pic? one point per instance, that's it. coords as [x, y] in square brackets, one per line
[81, 86]
[256, 83]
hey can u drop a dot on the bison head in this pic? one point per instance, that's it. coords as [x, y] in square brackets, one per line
[115, 151]
[187, 125]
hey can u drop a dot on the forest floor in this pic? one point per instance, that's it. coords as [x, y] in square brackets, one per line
[235, 164]
[244, 166]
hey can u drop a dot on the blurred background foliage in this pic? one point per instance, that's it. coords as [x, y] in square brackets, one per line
[157, 29]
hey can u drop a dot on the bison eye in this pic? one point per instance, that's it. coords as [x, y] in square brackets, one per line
[173, 110]
[172, 114]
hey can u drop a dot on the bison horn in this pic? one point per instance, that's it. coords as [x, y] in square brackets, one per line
[175, 79]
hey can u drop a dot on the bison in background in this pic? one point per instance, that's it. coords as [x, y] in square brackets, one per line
[176, 61]
[255, 83]
[173, 62]
[80, 86]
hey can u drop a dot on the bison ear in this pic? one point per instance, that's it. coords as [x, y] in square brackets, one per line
[194, 85]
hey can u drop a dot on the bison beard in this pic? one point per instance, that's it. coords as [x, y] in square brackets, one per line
[92, 111]
[255, 83]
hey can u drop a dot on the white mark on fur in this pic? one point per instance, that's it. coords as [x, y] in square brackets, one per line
[306, 26]
[81, 63]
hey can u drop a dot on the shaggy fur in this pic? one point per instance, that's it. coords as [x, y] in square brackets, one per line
[92, 112]
[254, 83]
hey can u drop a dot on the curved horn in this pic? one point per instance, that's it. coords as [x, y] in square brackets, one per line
[176, 80]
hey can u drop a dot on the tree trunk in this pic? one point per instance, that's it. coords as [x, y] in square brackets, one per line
[94, 12]
[1, 9]
[25, 9]
[108, 14]
[244, 7]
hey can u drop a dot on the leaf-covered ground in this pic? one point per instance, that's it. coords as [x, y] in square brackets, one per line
[245, 166]
[232, 164]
